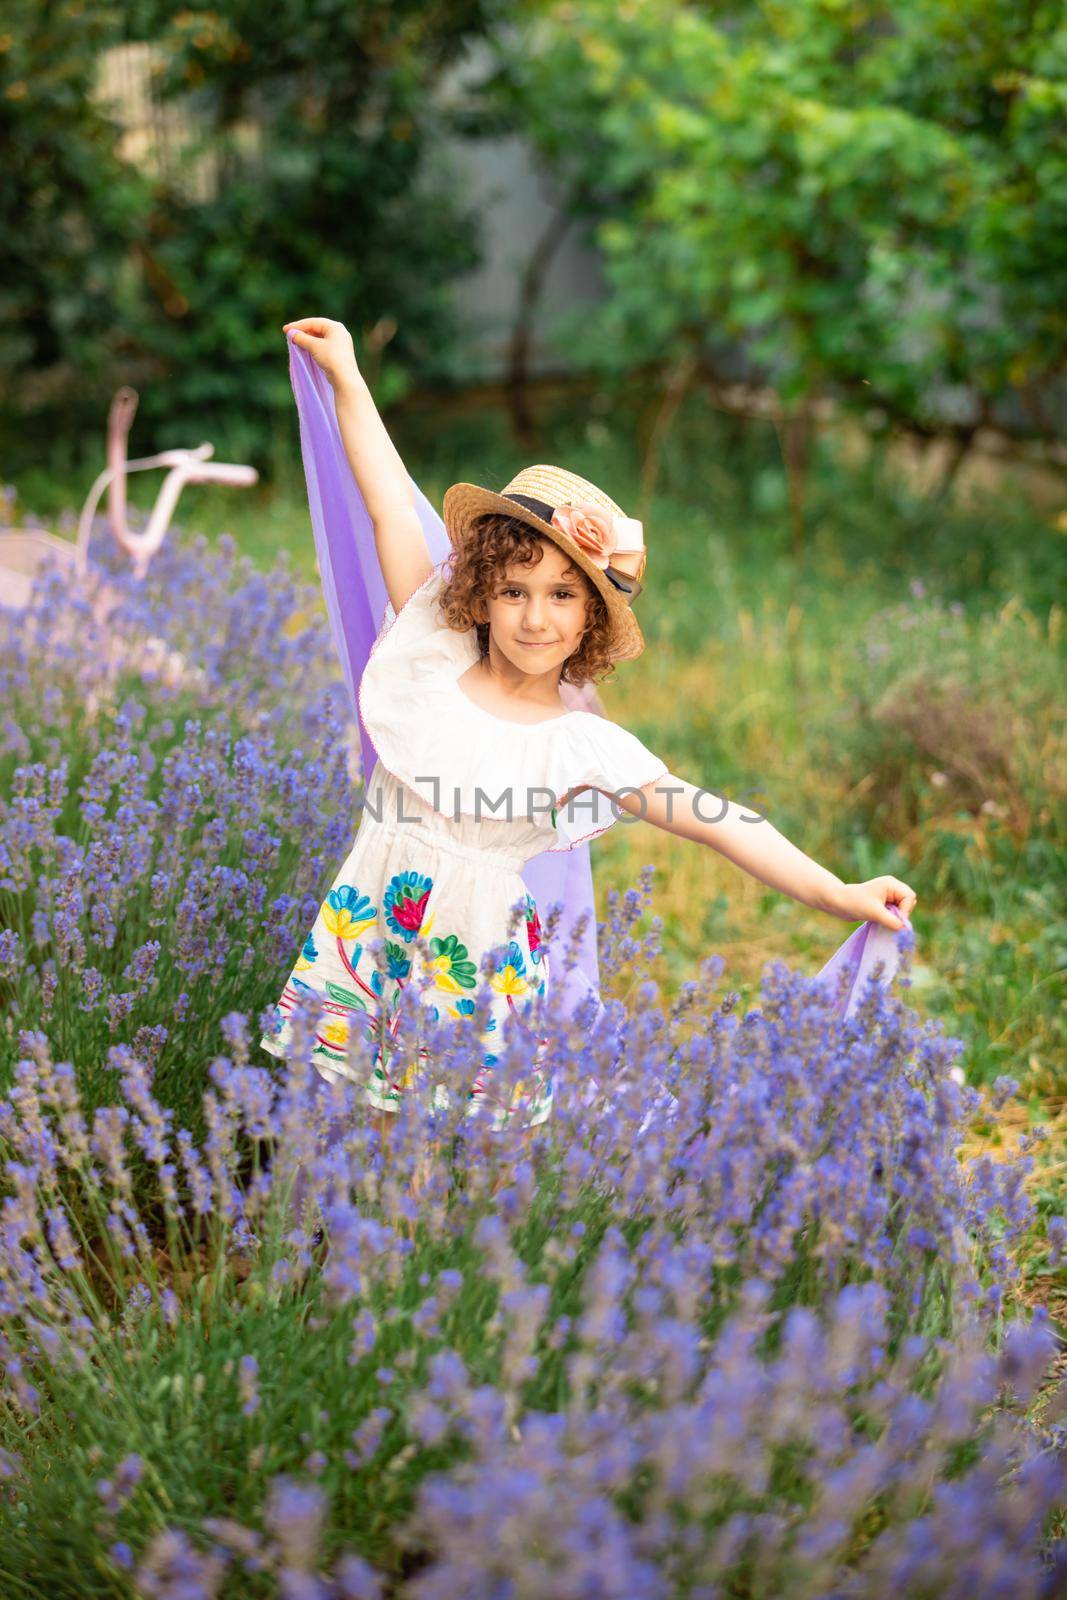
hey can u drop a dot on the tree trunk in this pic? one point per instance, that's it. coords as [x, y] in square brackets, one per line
[674, 392]
[796, 434]
[516, 382]
[959, 450]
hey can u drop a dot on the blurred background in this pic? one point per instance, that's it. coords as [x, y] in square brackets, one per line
[788, 279]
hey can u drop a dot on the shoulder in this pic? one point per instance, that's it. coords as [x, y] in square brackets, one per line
[610, 756]
[417, 641]
[423, 602]
[602, 761]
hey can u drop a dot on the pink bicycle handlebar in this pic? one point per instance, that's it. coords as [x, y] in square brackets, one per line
[184, 466]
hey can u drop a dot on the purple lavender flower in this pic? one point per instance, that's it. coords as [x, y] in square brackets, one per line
[115, 1491]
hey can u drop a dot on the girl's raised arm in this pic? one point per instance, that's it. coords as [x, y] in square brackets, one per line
[380, 474]
[755, 845]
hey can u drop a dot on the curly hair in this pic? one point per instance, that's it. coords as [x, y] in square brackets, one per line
[497, 541]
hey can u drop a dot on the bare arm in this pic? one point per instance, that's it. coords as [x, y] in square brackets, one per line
[386, 488]
[759, 849]
[380, 474]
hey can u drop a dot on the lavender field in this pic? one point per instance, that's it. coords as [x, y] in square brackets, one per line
[774, 1346]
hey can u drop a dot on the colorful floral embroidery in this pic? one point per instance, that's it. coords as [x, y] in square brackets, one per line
[533, 930]
[462, 1010]
[398, 965]
[344, 994]
[510, 977]
[335, 1032]
[451, 965]
[347, 913]
[405, 903]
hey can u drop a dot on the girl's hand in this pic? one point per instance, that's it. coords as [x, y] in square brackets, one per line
[330, 344]
[885, 900]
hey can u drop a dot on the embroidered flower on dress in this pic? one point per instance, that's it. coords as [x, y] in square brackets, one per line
[533, 930]
[451, 965]
[335, 1032]
[510, 978]
[398, 963]
[405, 903]
[347, 913]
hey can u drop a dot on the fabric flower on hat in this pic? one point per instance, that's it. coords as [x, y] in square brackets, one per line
[591, 528]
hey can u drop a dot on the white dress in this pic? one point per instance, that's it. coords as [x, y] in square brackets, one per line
[457, 803]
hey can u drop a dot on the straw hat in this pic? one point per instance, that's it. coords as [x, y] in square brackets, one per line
[586, 524]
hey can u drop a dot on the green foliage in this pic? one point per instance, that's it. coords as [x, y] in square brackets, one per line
[69, 214]
[867, 199]
[310, 183]
[872, 197]
[342, 208]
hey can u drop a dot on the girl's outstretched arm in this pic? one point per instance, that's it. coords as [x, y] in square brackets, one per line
[382, 478]
[752, 843]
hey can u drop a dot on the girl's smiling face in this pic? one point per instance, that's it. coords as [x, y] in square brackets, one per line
[537, 614]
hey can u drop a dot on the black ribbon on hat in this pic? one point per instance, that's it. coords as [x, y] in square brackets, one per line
[540, 508]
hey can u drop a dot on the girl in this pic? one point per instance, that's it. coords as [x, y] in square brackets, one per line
[484, 762]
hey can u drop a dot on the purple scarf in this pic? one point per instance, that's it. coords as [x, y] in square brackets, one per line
[348, 566]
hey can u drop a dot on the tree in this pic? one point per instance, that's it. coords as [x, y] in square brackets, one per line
[868, 198]
[69, 214]
[309, 180]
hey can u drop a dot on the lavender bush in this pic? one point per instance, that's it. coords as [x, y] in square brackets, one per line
[176, 783]
[749, 1353]
[763, 1347]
